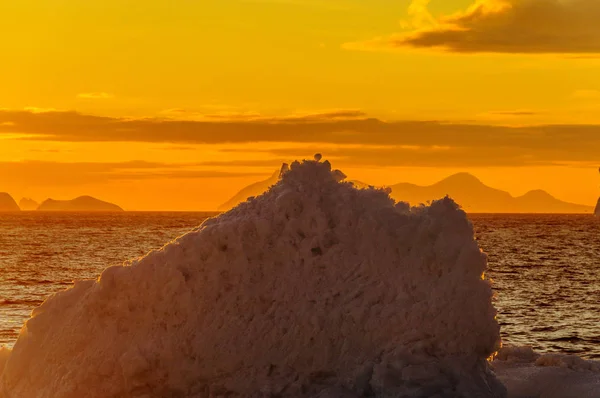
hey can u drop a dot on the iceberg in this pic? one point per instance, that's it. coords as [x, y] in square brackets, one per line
[312, 289]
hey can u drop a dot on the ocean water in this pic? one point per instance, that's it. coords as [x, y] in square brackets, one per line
[546, 274]
[545, 268]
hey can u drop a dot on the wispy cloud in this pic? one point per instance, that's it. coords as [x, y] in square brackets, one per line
[330, 5]
[95, 95]
[504, 26]
[43, 173]
[428, 156]
[248, 116]
[380, 141]
[420, 15]
[516, 113]
[35, 109]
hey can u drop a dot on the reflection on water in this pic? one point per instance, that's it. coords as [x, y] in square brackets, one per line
[545, 267]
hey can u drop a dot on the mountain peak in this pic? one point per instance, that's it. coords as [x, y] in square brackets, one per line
[538, 194]
[254, 189]
[462, 178]
[7, 203]
[28, 204]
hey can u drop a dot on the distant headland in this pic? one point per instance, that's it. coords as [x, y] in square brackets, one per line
[251, 190]
[7, 203]
[82, 203]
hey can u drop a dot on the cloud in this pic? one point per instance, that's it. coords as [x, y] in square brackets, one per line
[308, 3]
[432, 156]
[515, 113]
[53, 174]
[183, 114]
[95, 95]
[507, 26]
[50, 150]
[419, 12]
[77, 127]
[282, 156]
[35, 109]
[326, 116]
[398, 142]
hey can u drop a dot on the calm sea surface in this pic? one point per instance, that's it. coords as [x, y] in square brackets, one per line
[545, 268]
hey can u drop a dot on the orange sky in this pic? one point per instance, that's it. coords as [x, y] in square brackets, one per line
[161, 105]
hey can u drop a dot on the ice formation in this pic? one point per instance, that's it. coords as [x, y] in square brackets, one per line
[4, 354]
[528, 374]
[313, 289]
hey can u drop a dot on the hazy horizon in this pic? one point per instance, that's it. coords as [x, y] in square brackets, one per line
[263, 183]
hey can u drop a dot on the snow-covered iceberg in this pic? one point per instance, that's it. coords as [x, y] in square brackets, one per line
[314, 288]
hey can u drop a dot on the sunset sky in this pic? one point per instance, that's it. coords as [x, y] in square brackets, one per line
[176, 105]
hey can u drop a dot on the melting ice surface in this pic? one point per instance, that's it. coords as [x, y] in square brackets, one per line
[314, 289]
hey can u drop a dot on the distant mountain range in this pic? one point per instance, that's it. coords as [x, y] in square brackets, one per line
[476, 197]
[82, 203]
[466, 189]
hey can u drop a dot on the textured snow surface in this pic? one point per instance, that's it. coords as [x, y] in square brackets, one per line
[528, 374]
[4, 354]
[313, 289]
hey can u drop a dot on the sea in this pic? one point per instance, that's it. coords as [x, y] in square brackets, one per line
[545, 268]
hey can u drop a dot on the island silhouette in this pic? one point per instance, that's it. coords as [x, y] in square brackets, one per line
[466, 189]
[82, 203]
[7, 203]
[28, 204]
